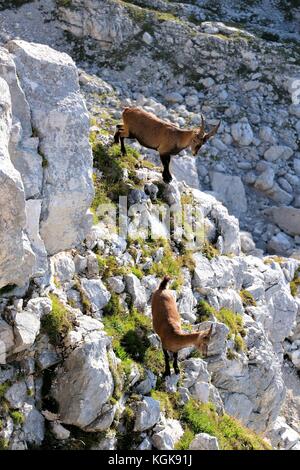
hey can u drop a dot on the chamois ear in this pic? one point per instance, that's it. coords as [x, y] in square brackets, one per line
[211, 133]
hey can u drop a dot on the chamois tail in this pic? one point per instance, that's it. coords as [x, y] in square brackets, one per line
[164, 283]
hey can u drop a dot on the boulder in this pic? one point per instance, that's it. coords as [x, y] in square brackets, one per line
[96, 293]
[136, 290]
[231, 191]
[277, 152]
[167, 434]
[63, 267]
[242, 132]
[147, 414]
[287, 218]
[185, 169]
[83, 383]
[16, 257]
[26, 327]
[7, 340]
[60, 119]
[203, 441]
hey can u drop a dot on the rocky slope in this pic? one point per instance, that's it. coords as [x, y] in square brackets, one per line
[81, 365]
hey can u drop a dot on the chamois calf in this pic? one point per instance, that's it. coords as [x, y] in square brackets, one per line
[167, 139]
[167, 324]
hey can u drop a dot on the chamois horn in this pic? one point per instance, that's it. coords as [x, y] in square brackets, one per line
[213, 131]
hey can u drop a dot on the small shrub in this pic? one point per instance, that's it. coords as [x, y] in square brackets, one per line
[17, 417]
[233, 320]
[57, 323]
[185, 441]
[204, 310]
[247, 298]
[295, 283]
[168, 403]
[4, 443]
[3, 389]
[209, 251]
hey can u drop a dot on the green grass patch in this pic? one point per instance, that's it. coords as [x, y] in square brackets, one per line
[108, 267]
[3, 389]
[86, 304]
[231, 434]
[112, 164]
[209, 251]
[204, 310]
[233, 320]
[58, 322]
[295, 283]
[17, 417]
[168, 402]
[247, 298]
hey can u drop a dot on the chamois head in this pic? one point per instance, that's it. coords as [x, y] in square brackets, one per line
[201, 137]
[204, 338]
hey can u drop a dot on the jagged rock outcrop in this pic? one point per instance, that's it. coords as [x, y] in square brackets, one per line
[77, 347]
[44, 117]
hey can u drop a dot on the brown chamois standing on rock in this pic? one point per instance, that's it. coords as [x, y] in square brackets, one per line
[167, 324]
[166, 138]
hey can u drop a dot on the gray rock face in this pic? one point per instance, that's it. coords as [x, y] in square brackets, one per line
[60, 119]
[147, 414]
[167, 434]
[16, 256]
[84, 382]
[231, 191]
[136, 290]
[242, 132]
[96, 292]
[287, 218]
[204, 441]
[106, 22]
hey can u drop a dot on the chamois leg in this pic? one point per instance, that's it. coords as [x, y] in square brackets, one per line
[117, 137]
[175, 363]
[123, 149]
[167, 177]
[167, 369]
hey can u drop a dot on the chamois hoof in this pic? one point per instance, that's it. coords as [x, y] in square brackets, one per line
[167, 179]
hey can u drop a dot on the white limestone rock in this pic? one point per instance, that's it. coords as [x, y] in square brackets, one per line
[60, 119]
[203, 441]
[147, 414]
[96, 293]
[83, 383]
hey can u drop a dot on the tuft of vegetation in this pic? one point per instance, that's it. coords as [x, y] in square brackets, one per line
[114, 306]
[185, 441]
[233, 320]
[58, 322]
[17, 417]
[204, 310]
[295, 283]
[209, 250]
[168, 402]
[108, 267]
[112, 165]
[247, 298]
[4, 443]
[231, 434]
[3, 389]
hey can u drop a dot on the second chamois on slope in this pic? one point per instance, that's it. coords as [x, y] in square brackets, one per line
[166, 138]
[167, 324]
